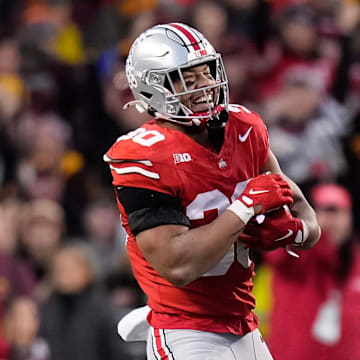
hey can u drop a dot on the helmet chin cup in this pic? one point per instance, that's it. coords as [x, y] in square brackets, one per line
[217, 118]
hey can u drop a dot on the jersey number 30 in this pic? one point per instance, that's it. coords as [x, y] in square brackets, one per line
[216, 200]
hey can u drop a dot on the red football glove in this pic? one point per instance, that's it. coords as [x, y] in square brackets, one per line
[269, 190]
[278, 229]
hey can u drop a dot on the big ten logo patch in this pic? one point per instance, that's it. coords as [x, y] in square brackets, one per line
[179, 158]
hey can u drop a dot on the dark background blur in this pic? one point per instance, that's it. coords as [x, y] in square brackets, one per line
[63, 266]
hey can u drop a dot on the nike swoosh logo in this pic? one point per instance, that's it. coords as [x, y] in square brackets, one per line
[290, 232]
[163, 54]
[245, 136]
[256, 192]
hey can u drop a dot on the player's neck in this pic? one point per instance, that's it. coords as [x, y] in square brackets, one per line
[200, 135]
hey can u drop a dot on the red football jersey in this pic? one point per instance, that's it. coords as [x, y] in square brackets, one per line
[169, 161]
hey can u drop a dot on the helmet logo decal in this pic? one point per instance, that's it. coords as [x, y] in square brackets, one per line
[202, 52]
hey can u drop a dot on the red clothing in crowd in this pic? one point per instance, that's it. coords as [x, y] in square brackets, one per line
[15, 280]
[318, 73]
[4, 348]
[315, 315]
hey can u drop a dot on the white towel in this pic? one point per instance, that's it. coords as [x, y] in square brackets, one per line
[134, 325]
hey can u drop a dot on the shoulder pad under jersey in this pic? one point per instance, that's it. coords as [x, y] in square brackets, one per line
[139, 158]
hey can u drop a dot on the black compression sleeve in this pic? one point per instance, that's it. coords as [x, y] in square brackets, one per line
[148, 208]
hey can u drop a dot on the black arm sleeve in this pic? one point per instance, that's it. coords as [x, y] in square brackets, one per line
[148, 208]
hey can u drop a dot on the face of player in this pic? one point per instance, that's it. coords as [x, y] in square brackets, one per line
[195, 78]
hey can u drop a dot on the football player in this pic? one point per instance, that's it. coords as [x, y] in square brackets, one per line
[187, 184]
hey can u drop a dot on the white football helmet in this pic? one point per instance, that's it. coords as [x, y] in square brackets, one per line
[158, 54]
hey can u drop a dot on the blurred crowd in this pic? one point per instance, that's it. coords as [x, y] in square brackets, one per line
[64, 274]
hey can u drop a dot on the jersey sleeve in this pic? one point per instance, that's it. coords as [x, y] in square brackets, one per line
[142, 164]
[145, 181]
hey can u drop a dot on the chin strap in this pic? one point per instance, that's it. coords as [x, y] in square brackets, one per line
[214, 120]
[140, 105]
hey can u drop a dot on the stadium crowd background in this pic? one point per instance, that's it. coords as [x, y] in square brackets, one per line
[64, 275]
